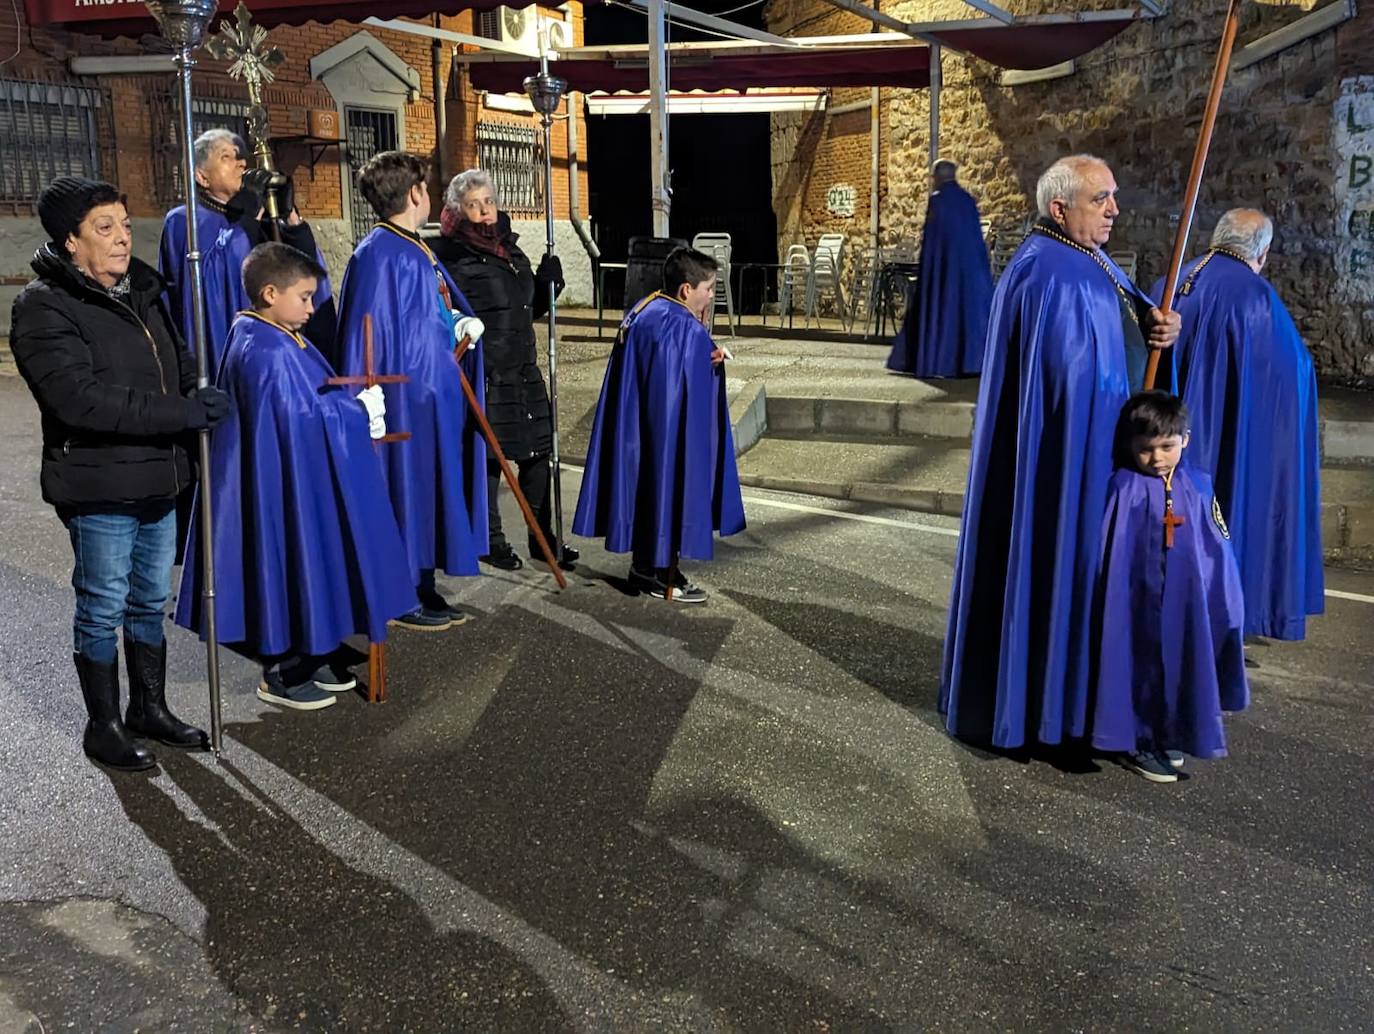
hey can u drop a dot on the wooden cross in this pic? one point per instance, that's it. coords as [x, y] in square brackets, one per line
[1171, 520]
[376, 652]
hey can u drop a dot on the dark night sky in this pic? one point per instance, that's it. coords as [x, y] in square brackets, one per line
[721, 163]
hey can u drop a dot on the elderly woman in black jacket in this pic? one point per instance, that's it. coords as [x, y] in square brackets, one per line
[480, 252]
[117, 392]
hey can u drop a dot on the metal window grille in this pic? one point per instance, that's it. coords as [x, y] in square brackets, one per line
[514, 158]
[47, 129]
[367, 132]
[206, 113]
[489, 23]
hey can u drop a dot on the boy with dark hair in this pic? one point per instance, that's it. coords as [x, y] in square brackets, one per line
[660, 476]
[307, 551]
[1170, 611]
[436, 480]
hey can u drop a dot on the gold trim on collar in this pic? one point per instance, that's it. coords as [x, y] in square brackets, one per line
[293, 334]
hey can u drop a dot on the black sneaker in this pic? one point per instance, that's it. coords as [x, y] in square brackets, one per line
[434, 604]
[504, 558]
[656, 585]
[1150, 765]
[424, 620]
[567, 562]
[333, 678]
[302, 696]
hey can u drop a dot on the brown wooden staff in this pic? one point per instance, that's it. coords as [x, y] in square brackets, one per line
[376, 652]
[1204, 141]
[511, 480]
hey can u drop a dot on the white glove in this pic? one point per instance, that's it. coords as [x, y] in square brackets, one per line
[375, 403]
[469, 327]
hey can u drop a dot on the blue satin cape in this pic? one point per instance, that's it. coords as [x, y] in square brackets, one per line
[437, 479]
[307, 551]
[946, 323]
[1169, 656]
[660, 468]
[223, 247]
[1251, 389]
[1016, 663]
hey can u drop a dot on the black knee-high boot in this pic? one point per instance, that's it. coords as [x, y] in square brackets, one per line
[106, 739]
[148, 713]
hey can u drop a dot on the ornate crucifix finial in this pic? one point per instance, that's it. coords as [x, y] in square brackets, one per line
[252, 59]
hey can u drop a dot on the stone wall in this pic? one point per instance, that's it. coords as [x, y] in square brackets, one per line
[1137, 102]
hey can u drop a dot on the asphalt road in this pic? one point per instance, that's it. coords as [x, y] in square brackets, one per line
[590, 811]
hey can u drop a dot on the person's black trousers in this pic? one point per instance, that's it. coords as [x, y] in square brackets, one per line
[535, 474]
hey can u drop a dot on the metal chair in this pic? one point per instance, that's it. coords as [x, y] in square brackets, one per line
[864, 287]
[1127, 261]
[718, 246]
[796, 281]
[826, 267]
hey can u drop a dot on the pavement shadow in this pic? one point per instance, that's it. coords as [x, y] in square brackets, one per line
[304, 940]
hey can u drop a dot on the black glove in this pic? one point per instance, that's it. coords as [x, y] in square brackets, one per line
[286, 195]
[206, 407]
[550, 271]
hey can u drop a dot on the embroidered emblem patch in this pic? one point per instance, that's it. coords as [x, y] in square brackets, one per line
[1216, 516]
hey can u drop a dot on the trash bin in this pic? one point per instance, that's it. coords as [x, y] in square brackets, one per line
[644, 266]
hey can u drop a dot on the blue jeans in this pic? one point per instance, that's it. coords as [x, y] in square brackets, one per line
[122, 574]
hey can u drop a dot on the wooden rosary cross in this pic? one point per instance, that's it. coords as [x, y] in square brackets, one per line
[1171, 520]
[376, 652]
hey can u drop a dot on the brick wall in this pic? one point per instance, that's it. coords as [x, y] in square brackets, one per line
[1137, 103]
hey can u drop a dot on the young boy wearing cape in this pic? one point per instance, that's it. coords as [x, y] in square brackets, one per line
[660, 476]
[1170, 610]
[438, 482]
[307, 551]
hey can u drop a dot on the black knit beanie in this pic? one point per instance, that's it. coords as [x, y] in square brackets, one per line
[67, 199]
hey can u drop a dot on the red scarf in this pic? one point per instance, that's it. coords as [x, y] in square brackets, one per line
[478, 236]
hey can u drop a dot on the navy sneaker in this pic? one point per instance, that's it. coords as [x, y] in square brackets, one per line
[333, 678]
[302, 696]
[656, 585]
[1175, 758]
[1150, 765]
[424, 619]
[504, 558]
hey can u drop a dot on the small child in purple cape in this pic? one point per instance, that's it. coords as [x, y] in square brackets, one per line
[1169, 609]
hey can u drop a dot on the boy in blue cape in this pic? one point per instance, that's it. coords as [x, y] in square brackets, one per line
[307, 551]
[1170, 611]
[660, 477]
[438, 482]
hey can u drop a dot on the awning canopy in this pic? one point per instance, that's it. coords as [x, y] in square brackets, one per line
[702, 69]
[131, 17]
[732, 102]
[895, 61]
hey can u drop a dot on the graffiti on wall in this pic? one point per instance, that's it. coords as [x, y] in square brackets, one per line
[1353, 139]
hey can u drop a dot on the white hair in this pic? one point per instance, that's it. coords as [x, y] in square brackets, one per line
[1246, 231]
[464, 183]
[205, 144]
[1062, 181]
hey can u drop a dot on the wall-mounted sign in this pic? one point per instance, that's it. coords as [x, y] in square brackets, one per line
[839, 200]
[1353, 138]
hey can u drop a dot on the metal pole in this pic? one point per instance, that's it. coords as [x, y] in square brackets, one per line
[936, 82]
[545, 92]
[185, 62]
[661, 194]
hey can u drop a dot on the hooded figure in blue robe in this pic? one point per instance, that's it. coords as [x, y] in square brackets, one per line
[228, 200]
[307, 551]
[1169, 656]
[946, 323]
[1068, 330]
[660, 478]
[437, 479]
[1249, 382]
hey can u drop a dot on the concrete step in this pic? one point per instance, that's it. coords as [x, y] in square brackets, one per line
[928, 474]
[1346, 425]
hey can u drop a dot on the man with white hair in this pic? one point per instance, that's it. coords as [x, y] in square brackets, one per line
[1249, 382]
[230, 223]
[1067, 335]
[946, 322]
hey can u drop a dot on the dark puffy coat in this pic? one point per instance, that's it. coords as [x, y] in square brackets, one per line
[109, 378]
[508, 298]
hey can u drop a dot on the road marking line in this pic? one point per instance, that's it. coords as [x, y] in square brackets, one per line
[932, 529]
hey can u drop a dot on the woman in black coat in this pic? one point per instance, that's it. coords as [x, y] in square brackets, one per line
[117, 393]
[480, 252]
